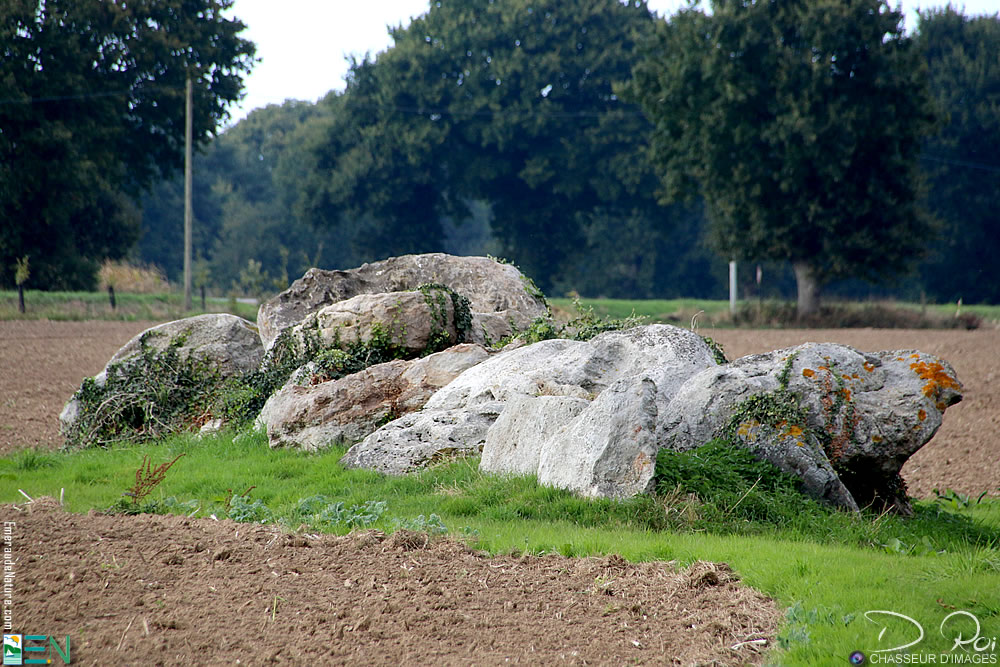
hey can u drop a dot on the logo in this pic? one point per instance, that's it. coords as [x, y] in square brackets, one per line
[899, 632]
[33, 649]
[12, 648]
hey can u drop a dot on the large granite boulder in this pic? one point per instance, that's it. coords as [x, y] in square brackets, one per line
[498, 293]
[458, 417]
[609, 449]
[229, 343]
[315, 416]
[408, 321]
[842, 420]
[515, 443]
[226, 344]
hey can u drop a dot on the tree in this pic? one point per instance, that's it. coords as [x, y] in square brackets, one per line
[962, 161]
[800, 123]
[92, 113]
[242, 210]
[508, 103]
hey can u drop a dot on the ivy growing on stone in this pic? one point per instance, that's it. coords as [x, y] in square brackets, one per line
[435, 295]
[718, 353]
[583, 327]
[777, 409]
[151, 395]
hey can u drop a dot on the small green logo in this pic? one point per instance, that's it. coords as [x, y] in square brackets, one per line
[12, 650]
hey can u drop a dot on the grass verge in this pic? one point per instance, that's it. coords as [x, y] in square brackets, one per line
[75, 306]
[826, 567]
[779, 314]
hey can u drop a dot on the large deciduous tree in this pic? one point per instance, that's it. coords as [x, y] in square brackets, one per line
[92, 112]
[800, 123]
[964, 159]
[510, 103]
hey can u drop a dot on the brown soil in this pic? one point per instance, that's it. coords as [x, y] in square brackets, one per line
[165, 590]
[169, 590]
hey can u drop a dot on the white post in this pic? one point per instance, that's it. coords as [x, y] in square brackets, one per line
[732, 287]
[188, 210]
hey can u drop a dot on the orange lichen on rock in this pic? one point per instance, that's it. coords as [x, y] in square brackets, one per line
[793, 431]
[808, 372]
[876, 439]
[936, 376]
[847, 393]
[922, 415]
[746, 430]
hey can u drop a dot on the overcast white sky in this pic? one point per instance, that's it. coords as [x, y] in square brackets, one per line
[303, 43]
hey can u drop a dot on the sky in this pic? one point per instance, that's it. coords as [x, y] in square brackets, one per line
[303, 44]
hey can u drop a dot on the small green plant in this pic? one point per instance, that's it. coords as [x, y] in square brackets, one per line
[956, 500]
[322, 512]
[243, 510]
[584, 326]
[435, 295]
[28, 460]
[147, 478]
[431, 525]
[718, 353]
[732, 485]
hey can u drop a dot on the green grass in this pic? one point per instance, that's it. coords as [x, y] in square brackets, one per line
[668, 311]
[96, 306]
[157, 307]
[716, 313]
[825, 567]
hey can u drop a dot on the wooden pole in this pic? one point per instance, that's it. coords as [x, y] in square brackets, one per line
[732, 287]
[188, 209]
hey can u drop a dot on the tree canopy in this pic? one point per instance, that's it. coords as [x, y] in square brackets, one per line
[511, 103]
[963, 161]
[92, 113]
[800, 124]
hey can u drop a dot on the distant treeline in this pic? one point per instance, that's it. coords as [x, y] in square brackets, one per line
[513, 142]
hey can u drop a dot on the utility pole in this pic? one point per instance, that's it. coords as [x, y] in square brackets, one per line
[732, 287]
[188, 210]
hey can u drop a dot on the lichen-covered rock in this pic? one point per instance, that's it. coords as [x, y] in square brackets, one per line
[826, 412]
[408, 321]
[494, 289]
[461, 413]
[230, 343]
[316, 416]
